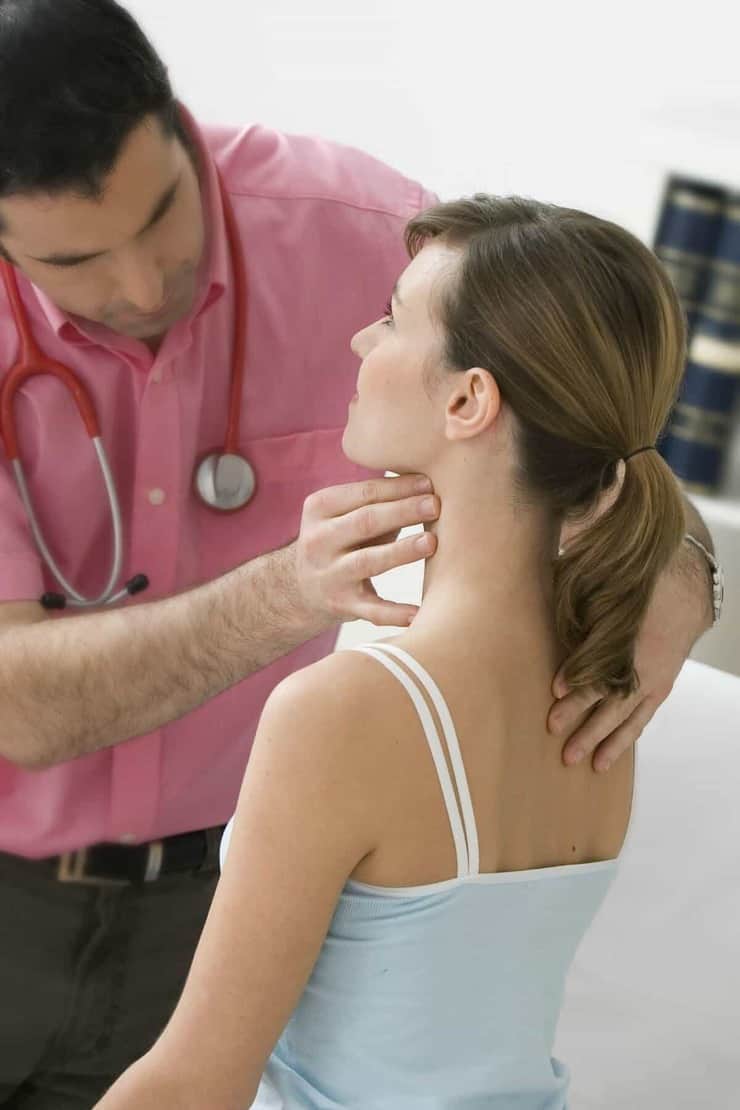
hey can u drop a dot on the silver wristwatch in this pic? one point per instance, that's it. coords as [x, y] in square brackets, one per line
[718, 578]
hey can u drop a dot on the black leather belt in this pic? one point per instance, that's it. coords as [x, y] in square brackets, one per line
[120, 864]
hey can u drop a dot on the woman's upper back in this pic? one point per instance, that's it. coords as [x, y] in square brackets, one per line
[531, 810]
[447, 987]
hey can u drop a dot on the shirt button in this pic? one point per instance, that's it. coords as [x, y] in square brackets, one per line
[157, 496]
[128, 838]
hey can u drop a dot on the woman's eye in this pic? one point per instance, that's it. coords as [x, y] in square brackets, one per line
[388, 315]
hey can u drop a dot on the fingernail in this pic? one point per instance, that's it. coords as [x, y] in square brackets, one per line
[424, 543]
[603, 766]
[575, 757]
[429, 507]
[423, 485]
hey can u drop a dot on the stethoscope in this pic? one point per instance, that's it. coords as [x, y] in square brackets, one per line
[224, 480]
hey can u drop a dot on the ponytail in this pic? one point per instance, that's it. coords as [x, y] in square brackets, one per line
[603, 582]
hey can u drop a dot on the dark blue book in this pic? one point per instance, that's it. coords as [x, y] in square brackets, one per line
[698, 241]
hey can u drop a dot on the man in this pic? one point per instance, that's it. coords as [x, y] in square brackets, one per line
[125, 731]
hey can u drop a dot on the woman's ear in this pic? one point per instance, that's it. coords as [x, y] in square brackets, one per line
[573, 528]
[473, 404]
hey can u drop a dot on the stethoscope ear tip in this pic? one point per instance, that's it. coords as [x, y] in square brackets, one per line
[138, 583]
[53, 601]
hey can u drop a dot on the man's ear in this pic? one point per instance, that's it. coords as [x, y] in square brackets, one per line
[3, 228]
[474, 403]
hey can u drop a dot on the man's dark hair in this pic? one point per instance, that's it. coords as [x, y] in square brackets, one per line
[76, 77]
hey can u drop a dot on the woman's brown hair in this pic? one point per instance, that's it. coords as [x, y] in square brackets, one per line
[581, 327]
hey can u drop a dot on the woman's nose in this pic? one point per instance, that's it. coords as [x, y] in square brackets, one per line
[361, 342]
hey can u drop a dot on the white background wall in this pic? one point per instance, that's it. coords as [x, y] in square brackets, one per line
[577, 103]
[584, 104]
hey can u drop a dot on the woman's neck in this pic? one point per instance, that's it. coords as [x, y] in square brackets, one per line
[490, 580]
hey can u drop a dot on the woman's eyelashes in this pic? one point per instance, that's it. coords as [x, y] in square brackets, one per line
[387, 315]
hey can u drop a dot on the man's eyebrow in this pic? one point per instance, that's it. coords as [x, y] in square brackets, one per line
[164, 202]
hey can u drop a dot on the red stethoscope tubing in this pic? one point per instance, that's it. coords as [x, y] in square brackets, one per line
[33, 361]
[238, 356]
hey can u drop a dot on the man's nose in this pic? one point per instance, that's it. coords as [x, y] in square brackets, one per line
[142, 284]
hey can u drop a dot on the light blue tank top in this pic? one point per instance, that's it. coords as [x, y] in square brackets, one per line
[438, 996]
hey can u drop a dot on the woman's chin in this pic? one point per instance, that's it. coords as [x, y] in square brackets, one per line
[350, 449]
[369, 447]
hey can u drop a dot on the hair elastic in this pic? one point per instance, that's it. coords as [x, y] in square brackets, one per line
[650, 447]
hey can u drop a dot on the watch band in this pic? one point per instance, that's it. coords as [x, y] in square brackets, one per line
[718, 578]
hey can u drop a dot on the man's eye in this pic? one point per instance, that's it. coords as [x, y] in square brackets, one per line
[67, 265]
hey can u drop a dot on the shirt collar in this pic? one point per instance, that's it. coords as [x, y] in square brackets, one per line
[214, 267]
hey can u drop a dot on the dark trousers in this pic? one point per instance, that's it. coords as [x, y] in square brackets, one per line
[89, 976]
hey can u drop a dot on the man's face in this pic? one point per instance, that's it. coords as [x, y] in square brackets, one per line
[128, 260]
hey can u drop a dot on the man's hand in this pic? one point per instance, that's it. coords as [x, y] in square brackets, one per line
[607, 727]
[349, 535]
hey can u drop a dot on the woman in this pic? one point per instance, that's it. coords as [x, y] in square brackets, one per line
[411, 866]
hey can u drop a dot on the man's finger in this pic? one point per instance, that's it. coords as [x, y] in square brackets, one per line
[599, 725]
[369, 607]
[624, 737]
[559, 685]
[362, 526]
[372, 561]
[338, 500]
[566, 714]
[385, 613]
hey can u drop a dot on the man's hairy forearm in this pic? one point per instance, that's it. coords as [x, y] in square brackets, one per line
[72, 686]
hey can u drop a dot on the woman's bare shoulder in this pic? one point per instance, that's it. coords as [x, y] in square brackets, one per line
[345, 689]
[331, 727]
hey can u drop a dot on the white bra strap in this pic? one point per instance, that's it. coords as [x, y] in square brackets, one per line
[435, 748]
[453, 746]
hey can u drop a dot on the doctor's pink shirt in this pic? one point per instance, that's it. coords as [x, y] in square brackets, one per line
[321, 231]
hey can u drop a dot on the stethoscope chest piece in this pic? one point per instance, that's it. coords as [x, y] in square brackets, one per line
[225, 481]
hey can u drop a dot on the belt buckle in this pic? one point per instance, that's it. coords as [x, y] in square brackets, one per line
[72, 866]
